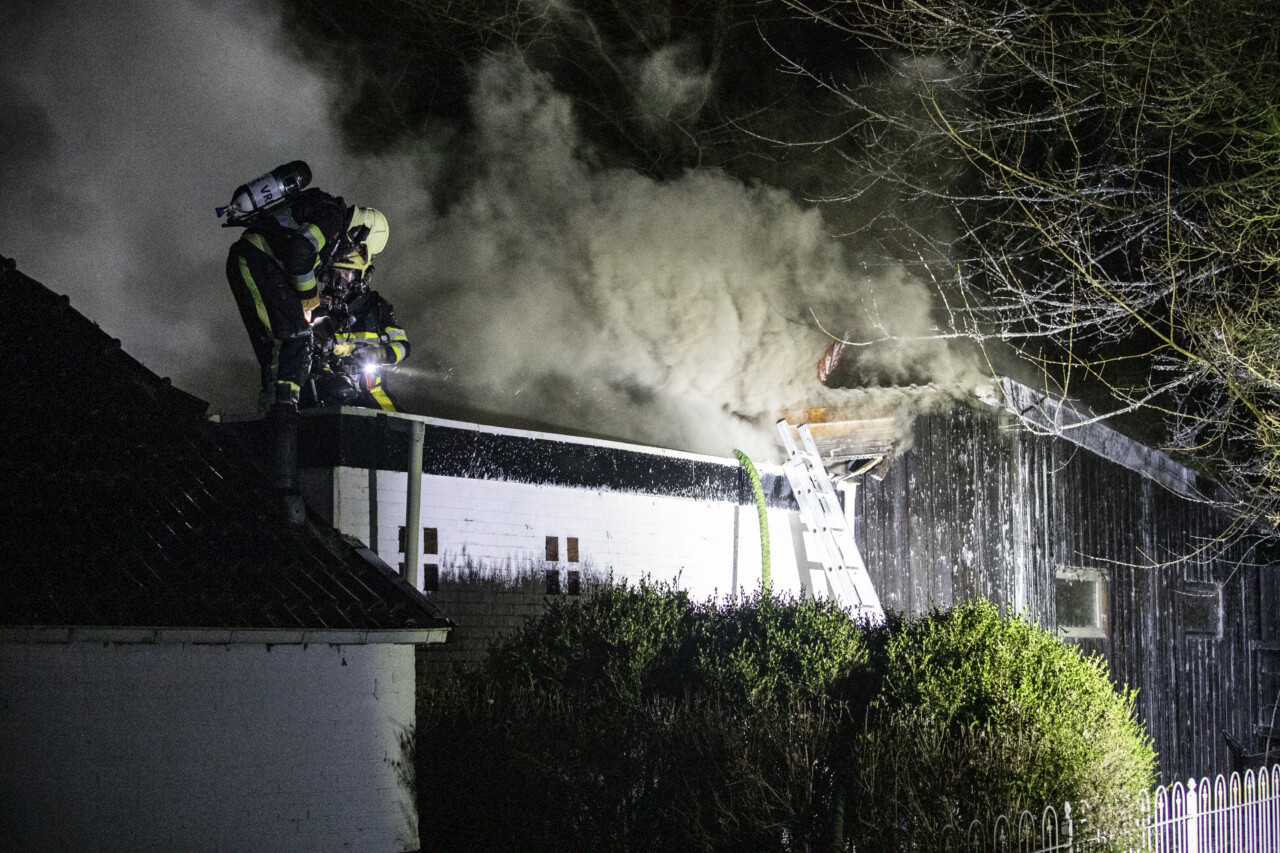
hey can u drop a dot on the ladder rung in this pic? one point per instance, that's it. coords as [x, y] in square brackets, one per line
[828, 532]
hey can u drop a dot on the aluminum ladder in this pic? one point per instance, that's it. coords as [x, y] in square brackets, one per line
[828, 537]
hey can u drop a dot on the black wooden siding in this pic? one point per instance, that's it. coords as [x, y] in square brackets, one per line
[979, 508]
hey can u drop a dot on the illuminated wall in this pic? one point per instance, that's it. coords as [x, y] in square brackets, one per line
[706, 547]
[192, 746]
[508, 501]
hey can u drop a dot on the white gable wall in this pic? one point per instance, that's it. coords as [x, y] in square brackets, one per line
[140, 747]
[704, 546]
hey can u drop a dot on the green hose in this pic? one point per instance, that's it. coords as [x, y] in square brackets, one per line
[758, 489]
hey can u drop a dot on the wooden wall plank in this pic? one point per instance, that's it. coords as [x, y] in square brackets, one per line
[978, 509]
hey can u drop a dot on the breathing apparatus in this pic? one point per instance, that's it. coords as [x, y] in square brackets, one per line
[365, 236]
[265, 193]
[347, 276]
[339, 287]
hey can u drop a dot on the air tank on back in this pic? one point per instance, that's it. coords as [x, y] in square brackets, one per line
[265, 192]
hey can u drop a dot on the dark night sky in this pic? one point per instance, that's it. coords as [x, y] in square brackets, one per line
[586, 297]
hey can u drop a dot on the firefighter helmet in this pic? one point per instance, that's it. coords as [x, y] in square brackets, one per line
[367, 235]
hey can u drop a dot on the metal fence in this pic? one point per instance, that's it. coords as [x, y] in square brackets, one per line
[1226, 814]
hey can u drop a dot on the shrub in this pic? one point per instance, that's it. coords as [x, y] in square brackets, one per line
[769, 671]
[978, 715]
[773, 649]
[639, 720]
[554, 737]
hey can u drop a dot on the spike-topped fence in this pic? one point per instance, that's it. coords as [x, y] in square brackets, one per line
[1236, 813]
[828, 537]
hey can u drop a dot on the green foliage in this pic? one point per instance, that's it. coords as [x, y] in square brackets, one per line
[979, 714]
[617, 645]
[773, 650]
[636, 719]
[639, 720]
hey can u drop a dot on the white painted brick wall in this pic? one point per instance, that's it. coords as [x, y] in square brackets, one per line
[217, 748]
[499, 524]
[484, 611]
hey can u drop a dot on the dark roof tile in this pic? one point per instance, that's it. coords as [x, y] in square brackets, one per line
[124, 507]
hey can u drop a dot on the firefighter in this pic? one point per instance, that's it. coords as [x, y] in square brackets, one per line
[272, 270]
[365, 335]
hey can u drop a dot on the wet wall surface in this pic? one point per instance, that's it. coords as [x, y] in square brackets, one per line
[978, 508]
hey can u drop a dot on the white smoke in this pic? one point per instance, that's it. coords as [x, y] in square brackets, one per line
[126, 123]
[673, 311]
[587, 298]
[670, 85]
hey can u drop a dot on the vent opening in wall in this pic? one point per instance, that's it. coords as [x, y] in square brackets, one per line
[1266, 675]
[1080, 603]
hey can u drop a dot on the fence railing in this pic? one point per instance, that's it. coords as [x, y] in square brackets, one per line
[1236, 813]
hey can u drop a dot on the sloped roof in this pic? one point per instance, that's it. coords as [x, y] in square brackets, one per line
[121, 506]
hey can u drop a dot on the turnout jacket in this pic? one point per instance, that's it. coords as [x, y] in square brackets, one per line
[373, 319]
[301, 237]
[367, 320]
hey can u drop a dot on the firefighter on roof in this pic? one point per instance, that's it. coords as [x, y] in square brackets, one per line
[361, 333]
[291, 236]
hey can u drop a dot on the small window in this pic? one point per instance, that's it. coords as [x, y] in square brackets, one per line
[1200, 608]
[431, 577]
[575, 582]
[1081, 603]
[402, 539]
[553, 549]
[571, 549]
[430, 541]
[553, 581]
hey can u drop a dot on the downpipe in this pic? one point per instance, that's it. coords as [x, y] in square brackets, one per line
[413, 502]
[282, 461]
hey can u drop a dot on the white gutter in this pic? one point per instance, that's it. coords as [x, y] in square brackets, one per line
[220, 636]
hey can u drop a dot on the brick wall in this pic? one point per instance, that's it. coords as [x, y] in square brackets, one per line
[185, 747]
[488, 608]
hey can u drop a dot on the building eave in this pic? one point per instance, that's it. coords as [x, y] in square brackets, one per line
[64, 634]
[1072, 421]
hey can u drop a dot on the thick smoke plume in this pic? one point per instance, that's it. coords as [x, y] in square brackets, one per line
[550, 289]
[679, 312]
[125, 125]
